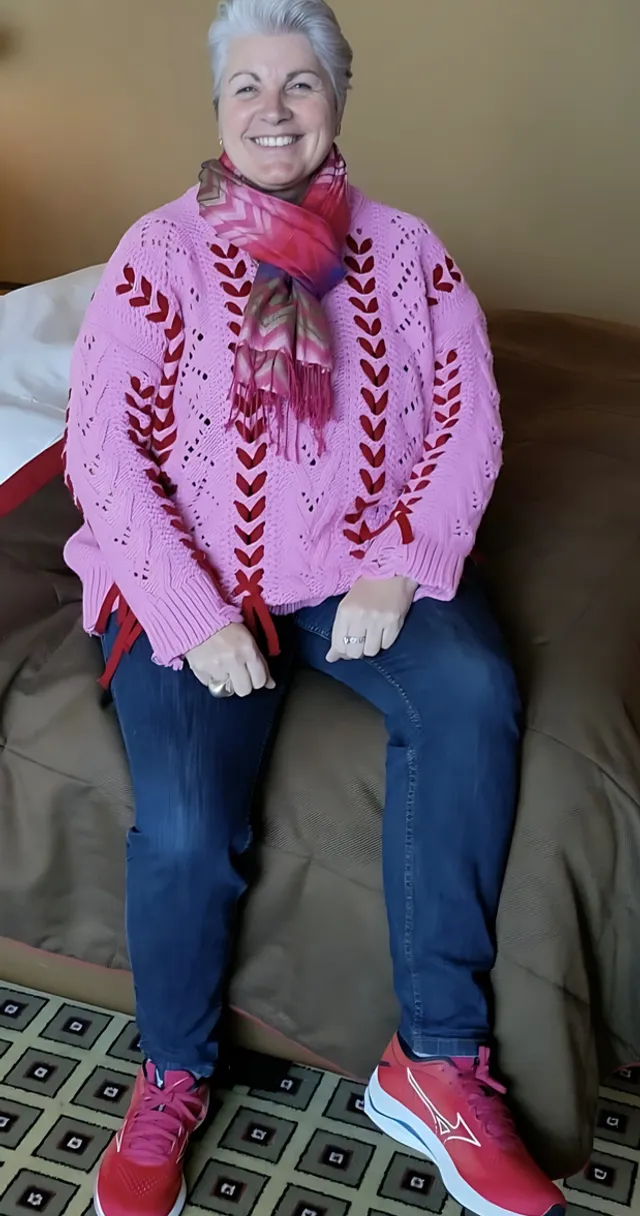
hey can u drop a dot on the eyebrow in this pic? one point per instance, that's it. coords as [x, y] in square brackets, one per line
[290, 75]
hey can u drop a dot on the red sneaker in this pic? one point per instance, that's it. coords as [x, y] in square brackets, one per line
[141, 1171]
[452, 1112]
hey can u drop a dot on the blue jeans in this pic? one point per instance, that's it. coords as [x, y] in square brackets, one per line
[449, 699]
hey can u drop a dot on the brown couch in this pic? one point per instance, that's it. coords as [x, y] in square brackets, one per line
[561, 546]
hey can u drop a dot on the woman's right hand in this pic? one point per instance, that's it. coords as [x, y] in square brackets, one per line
[231, 656]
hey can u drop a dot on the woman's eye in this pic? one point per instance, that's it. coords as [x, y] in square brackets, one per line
[302, 85]
[247, 88]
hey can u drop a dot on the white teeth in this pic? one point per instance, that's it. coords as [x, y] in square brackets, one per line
[275, 141]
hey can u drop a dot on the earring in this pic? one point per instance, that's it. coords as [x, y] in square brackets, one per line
[221, 143]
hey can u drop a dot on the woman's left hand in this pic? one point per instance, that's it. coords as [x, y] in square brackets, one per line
[370, 617]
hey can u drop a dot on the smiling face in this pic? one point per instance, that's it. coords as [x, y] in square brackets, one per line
[277, 112]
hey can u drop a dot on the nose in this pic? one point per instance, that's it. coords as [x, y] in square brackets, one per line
[275, 109]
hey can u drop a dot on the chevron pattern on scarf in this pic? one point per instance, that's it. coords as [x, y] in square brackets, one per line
[283, 362]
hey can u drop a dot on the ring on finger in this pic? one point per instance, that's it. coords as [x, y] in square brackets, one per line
[349, 641]
[220, 688]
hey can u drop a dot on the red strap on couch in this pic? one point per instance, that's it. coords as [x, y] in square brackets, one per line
[31, 477]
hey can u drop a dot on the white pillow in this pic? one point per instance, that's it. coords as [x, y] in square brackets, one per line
[38, 327]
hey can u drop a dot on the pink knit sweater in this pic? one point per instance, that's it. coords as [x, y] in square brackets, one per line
[190, 525]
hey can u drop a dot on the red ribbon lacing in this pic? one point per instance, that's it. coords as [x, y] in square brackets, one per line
[255, 611]
[129, 630]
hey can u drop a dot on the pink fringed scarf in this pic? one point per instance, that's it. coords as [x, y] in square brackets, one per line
[283, 362]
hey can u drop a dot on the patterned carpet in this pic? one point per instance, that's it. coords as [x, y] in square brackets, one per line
[283, 1139]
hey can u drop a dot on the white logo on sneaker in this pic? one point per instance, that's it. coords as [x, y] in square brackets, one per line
[446, 1130]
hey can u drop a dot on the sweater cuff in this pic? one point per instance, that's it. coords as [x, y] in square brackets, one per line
[437, 570]
[175, 620]
[179, 620]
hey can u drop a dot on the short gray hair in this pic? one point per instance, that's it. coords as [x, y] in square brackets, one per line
[313, 18]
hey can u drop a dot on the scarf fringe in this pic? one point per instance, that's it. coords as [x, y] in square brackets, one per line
[308, 400]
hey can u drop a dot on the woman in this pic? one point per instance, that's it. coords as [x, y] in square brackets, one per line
[283, 432]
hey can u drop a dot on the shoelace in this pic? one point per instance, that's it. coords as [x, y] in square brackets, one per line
[163, 1118]
[483, 1094]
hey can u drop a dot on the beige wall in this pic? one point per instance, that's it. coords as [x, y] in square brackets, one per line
[512, 125]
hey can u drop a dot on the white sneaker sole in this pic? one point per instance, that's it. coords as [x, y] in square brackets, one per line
[406, 1128]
